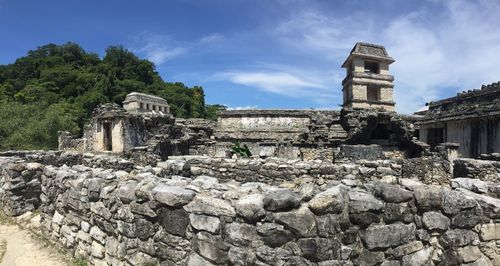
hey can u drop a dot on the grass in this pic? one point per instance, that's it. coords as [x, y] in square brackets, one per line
[5, 219]
[79, 262]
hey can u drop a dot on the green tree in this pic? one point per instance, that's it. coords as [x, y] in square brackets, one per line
[56, 87]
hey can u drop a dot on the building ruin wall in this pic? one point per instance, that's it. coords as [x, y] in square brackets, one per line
[475, 135]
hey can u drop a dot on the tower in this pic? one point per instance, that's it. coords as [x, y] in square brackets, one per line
[368, 84]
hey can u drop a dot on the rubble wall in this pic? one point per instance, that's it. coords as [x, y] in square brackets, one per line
[278, 170]
[136, 217]
[485, 170]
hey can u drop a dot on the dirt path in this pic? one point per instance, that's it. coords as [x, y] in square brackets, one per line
[21, 249]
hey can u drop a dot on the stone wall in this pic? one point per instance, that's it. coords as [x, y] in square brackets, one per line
[278, 170]
[20, 185]
[478, 169]
[148, 215]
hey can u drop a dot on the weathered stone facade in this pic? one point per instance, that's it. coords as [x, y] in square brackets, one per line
[136, 102]
[470, 119]
[293, 134]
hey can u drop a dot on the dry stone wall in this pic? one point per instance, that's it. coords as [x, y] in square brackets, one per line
[481, 169]
[278, 170]
[149, 216]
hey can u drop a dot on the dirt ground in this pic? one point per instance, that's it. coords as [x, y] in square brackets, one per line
[21, 249]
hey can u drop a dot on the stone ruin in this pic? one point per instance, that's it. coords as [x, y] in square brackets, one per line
[471, 119]
[349, 187]
[367, 118]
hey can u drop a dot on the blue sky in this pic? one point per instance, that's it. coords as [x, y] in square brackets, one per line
[275, 54]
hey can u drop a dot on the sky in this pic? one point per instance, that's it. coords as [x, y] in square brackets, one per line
[275, 53]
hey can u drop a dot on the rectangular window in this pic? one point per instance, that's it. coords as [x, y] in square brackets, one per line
[141, 106]
[147, 106]
[154, 107]
[373, 94]
[371, 67]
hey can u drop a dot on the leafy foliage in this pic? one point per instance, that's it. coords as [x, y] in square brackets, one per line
[56, 87]
[241, 151]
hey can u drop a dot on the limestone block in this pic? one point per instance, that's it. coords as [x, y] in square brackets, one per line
[392, 193]
[203, 222]
[362, 201]
[435, 221]
[274, 235]
[211, 206]
[328, 201]
[384, 236]
[172, 195]
[251, 207]
[457, 238]
[301, 221]
[422, 257]
[97, 250]
[241, 256]
[469, 254]
[490, 231]
[280, 200]
[429, 197]
[241, 234]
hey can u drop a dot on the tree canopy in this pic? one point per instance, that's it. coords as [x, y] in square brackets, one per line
[56, 87]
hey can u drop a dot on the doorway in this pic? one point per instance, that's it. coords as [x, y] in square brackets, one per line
[108, 140]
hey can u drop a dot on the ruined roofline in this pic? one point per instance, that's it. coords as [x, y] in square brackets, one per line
[131, 95]
[275, 112]
[367, 50]
[466, 95]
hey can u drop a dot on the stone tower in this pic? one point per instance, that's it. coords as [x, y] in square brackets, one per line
[367, 84]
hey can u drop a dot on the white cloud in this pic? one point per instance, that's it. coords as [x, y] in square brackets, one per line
[160, 49]
[248, 107]
[455, 45]
[460, 51]
[284, 81]
[214, 37]
[313, 31]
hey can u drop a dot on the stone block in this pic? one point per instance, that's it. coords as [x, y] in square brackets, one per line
[435, 221]
[384, 236]
[251, 207]
[172, 196]
[490, 231]
[281, 200]
[174, 221]
[211, 206]
[240, 234]
[328, 201]
[362, 201]
[300, 221]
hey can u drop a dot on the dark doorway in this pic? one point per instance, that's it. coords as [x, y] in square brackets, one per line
[435, 136]
[381, 135]
[108, 140]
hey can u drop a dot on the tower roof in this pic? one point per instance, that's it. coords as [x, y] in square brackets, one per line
[369, 51]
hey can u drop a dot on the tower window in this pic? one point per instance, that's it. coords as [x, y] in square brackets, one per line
[371, 67]
[373, 94]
